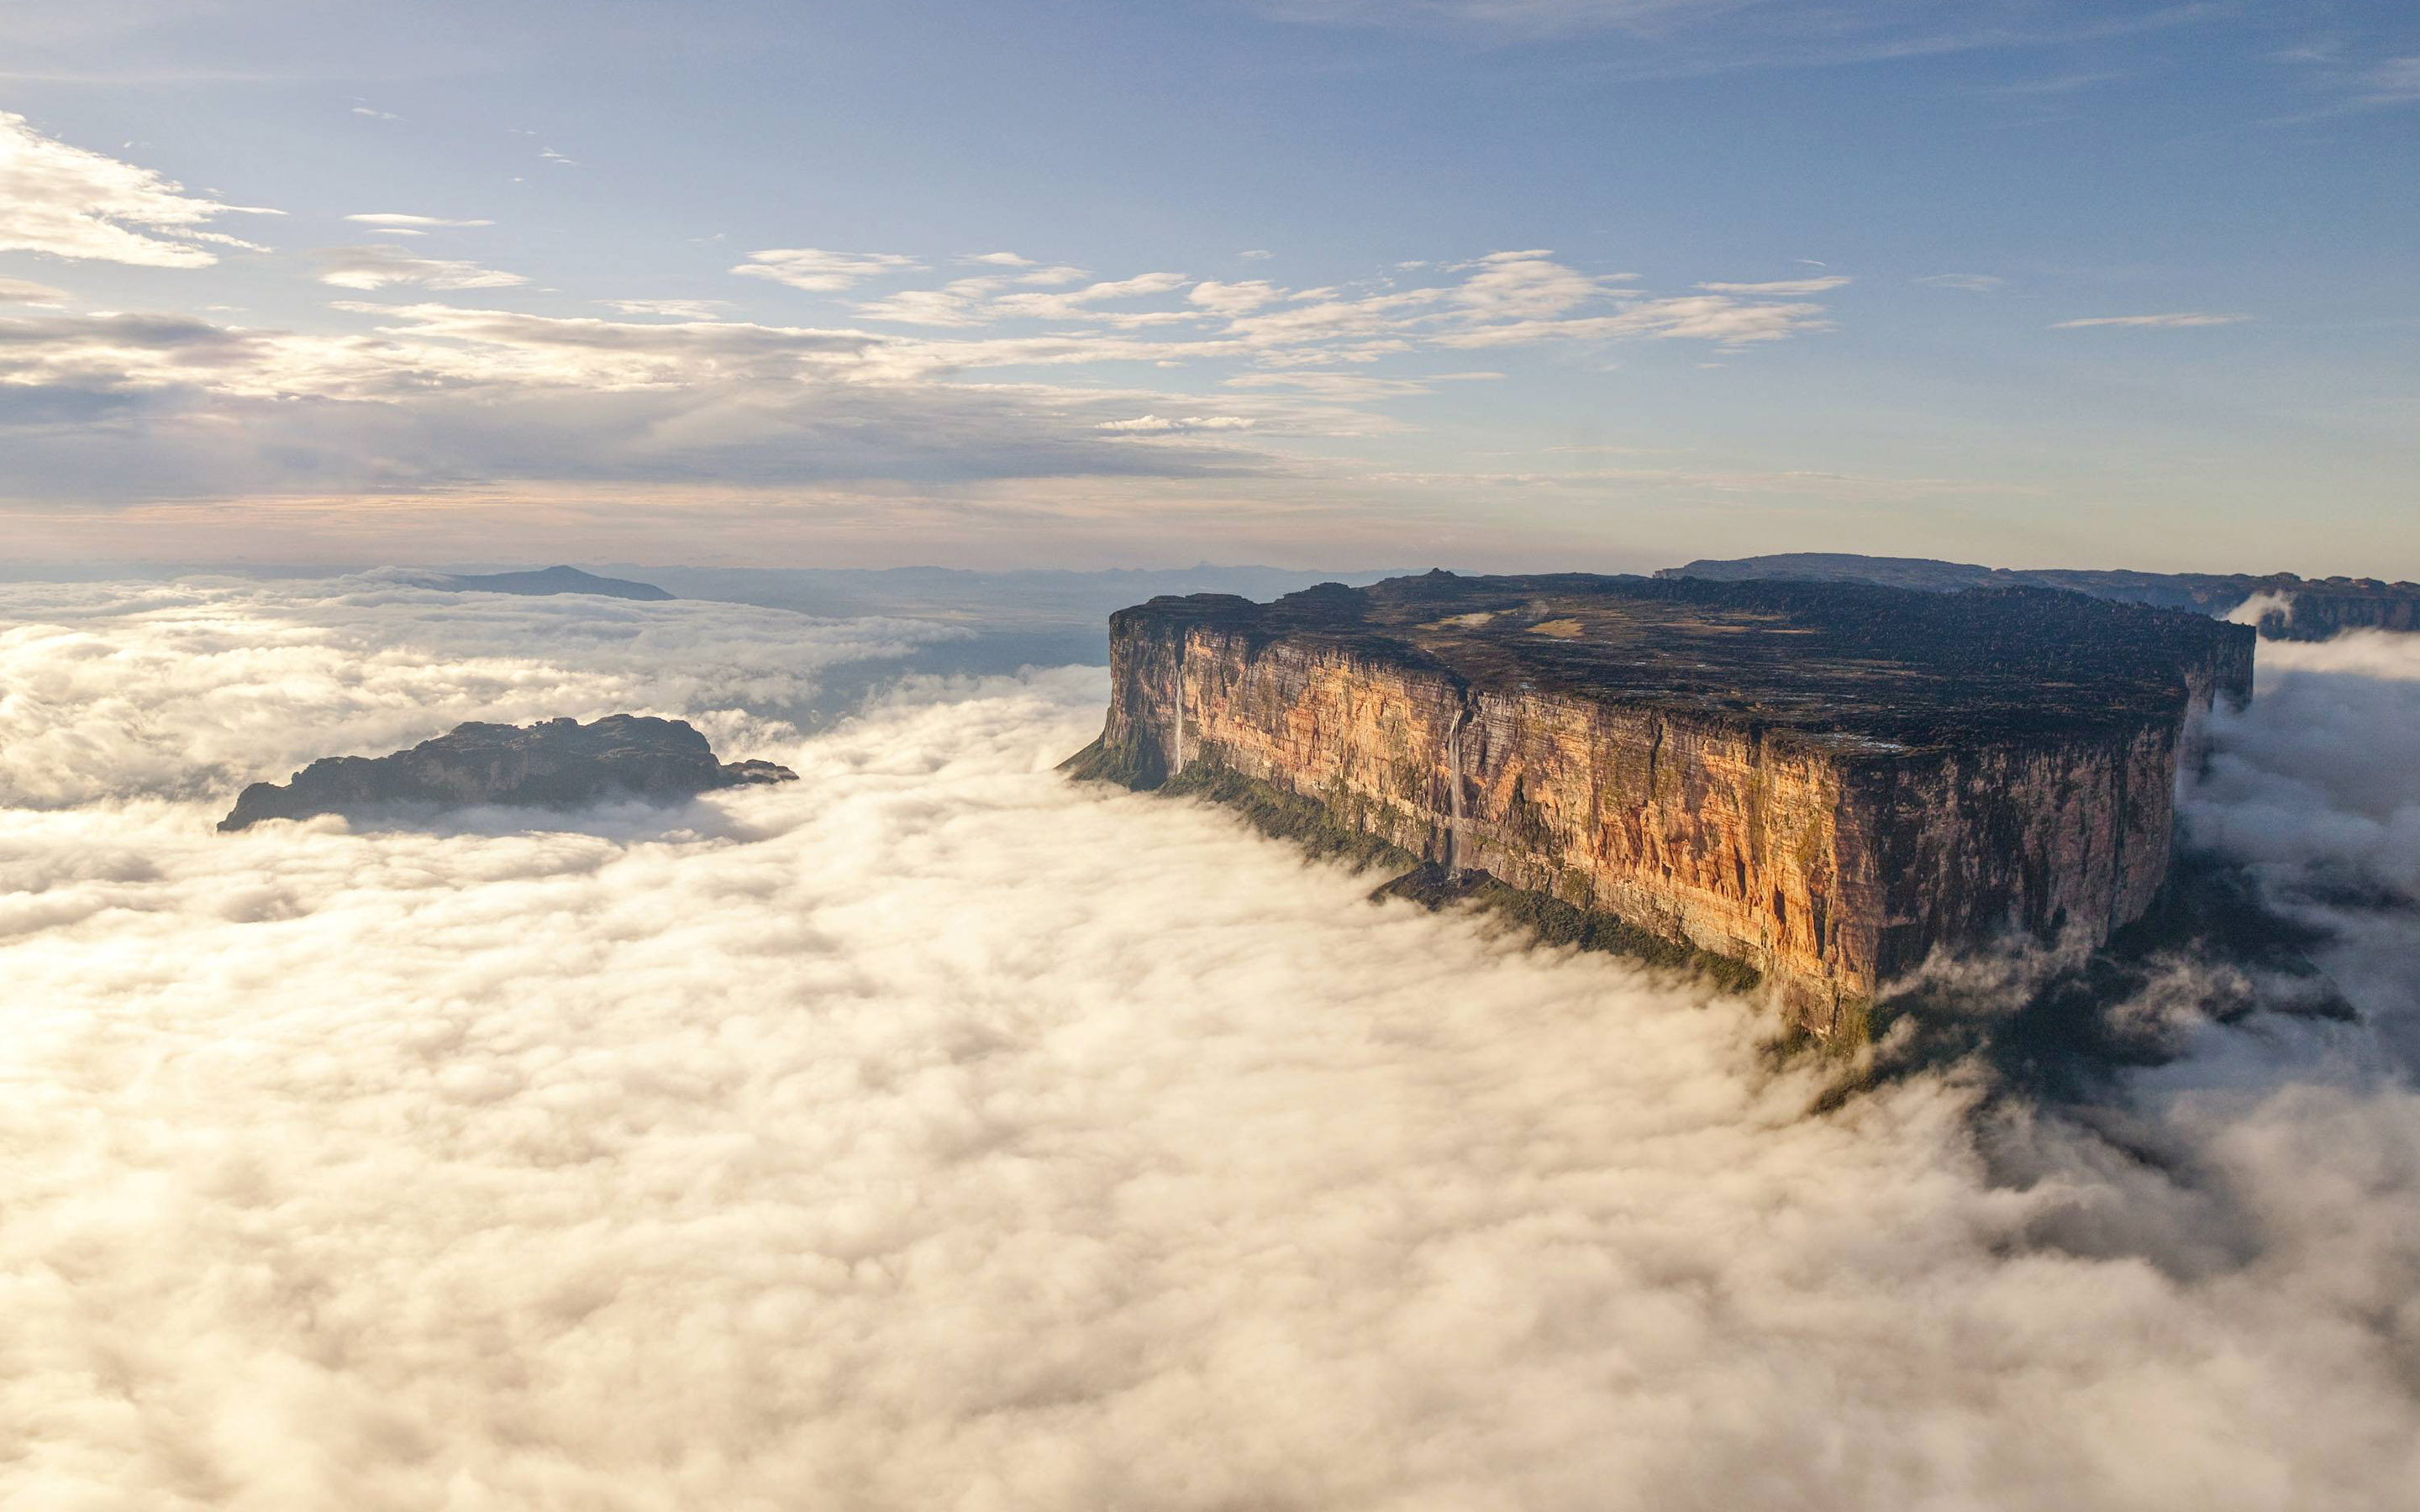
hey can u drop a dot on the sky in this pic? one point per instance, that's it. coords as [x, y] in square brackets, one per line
[935, 1131]
[1493, 284]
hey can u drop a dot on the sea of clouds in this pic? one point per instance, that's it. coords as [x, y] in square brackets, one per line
[933, 1132]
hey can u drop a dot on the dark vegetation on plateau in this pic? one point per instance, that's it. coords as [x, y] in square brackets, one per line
[1823, 659]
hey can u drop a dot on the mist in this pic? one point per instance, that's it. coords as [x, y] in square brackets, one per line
[933, 1131]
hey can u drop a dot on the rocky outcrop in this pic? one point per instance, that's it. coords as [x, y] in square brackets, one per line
[1825, 782]
[2283, 606]
[561, 763]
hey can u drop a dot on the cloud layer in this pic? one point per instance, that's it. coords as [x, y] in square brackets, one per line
[933, 1132]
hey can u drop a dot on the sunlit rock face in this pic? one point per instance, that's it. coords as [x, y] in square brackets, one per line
[1824, 781]
[559, 764]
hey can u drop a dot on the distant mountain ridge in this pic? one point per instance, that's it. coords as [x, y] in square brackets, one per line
[550, 580]
[2300, 608]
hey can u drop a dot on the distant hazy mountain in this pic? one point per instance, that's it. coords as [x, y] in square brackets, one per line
[552, 580]
[2298, 609]
[1031, 599]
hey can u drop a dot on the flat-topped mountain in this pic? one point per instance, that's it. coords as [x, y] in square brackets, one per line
[2289, 608]
[552, 580]
[560, 763]
[1824, 781]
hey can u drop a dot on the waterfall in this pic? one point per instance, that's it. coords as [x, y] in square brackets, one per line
[1453, 759]
[1176, 758]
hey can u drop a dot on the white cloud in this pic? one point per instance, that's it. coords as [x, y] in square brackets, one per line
[1076, 304]
[931, 1131]
[1787, 286]
[25, 292]
[960, 302]
[1255, 253]
[998, 259]
[1055, 275]
[2189, 317]
[225, 669]
[379, 267]
[679, 309]
[822, 272]
[1526, 286]
[72, 203]
[1969, 283]
[1174, 424]
[1233, 298]
[394, 221]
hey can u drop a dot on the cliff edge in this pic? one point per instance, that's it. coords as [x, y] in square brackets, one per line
[1824, 781]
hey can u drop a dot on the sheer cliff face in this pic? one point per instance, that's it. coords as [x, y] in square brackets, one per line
[1830, 858]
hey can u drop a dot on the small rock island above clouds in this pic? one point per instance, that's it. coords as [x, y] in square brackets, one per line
[1820, 782]
[560, 763]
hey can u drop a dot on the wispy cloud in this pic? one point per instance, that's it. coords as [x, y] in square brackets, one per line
[393, 220]
[24, 291]
[2394, 82]
[1970, 283]
[1678, 37]
[377, 267]
[819, 271]
[2178, 319]
[1781, 286]
[677, 309]
[1175, 425]
[70, 202]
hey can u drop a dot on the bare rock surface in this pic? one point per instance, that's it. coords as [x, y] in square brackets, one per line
[1824, 781]
[560, 763]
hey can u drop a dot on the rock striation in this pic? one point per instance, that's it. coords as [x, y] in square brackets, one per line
[1824, 781]
[560, 763]
[2283, 606]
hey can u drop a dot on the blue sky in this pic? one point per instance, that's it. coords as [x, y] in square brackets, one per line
[1493, 283]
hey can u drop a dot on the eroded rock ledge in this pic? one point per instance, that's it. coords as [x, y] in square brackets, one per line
[1823, 783]
[560, 763]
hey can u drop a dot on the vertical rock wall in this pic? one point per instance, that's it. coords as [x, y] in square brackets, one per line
[1828, 863]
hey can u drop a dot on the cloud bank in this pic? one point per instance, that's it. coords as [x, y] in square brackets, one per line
[930, 1132]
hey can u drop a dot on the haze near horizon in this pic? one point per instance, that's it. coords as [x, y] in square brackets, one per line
[1599, 283]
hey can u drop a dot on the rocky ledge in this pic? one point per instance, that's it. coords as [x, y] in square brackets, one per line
[1822, 782]
[560, 763]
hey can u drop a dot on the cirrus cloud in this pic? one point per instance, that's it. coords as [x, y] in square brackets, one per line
[2177, 320]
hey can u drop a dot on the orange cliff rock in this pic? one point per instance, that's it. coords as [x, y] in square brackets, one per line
[1825, 782]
